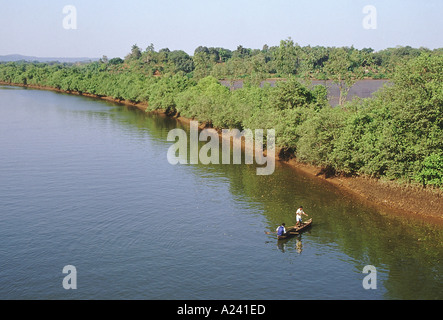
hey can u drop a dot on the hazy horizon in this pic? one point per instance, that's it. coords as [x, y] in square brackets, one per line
[110, 27]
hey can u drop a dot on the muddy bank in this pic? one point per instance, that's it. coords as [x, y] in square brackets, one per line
[390, 196]
[141, 106]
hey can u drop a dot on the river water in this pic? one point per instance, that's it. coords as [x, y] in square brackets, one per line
[87, 183]
[363, 88]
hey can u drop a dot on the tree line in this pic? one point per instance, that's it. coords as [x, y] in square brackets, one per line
[397, 134]
[287, 59]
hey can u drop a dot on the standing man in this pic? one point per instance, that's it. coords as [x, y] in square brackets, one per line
[298, 215]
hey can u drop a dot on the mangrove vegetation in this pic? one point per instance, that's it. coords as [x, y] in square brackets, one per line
[397, 134]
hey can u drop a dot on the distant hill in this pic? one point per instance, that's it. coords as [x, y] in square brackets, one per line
[19, 57]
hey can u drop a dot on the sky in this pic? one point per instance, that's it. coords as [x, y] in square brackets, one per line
[99, 27]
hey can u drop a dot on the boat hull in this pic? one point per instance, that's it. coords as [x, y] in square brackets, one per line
[295, 230]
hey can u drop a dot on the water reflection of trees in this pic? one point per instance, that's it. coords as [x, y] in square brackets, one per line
[410, 251]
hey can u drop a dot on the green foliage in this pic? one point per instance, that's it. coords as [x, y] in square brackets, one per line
[205, 101]
[345, 67]
[115, 61]
[182, 61]
[318, 135]
[291, 94]
[135, 53]
[164, 92]
[431, 172]
[392, 134]
[287, 57]
[398, 134]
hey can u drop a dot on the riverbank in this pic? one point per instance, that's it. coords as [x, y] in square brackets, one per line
[412, 201]
[391, 197]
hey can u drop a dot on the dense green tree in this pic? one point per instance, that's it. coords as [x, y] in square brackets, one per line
[116, 61]
[135, 53]
[182, 61]
[287, 57]
[345, 67]
[203, 63]
[431, 172]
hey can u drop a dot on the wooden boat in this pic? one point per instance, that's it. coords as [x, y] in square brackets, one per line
[295, 230]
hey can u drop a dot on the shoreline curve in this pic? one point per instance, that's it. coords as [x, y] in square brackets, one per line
[390, 196]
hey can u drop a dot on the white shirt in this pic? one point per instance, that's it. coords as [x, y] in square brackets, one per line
[299, 212]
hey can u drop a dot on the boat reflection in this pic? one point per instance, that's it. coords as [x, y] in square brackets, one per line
[290, 244]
